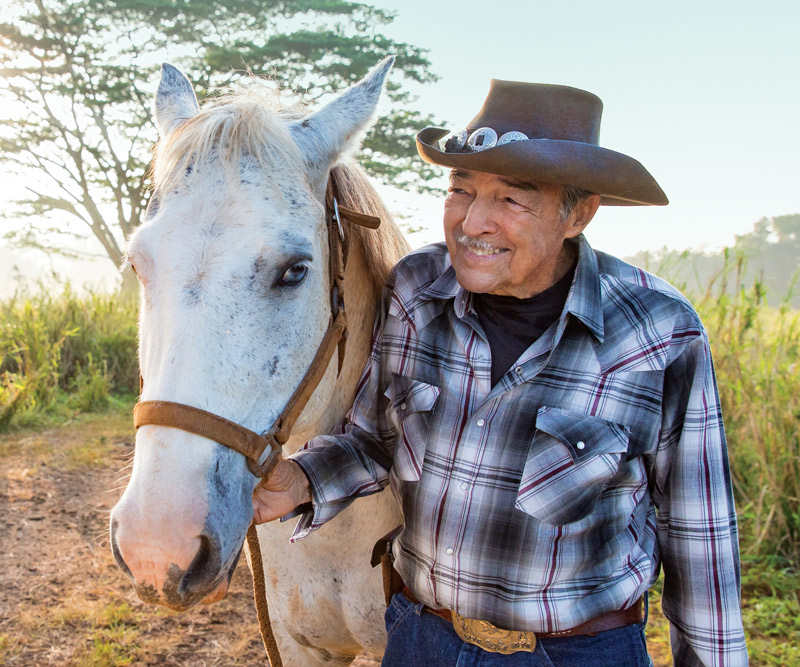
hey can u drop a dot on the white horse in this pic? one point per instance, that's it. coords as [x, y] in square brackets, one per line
[233, 261]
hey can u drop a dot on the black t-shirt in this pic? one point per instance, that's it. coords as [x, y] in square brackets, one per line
[512, 325]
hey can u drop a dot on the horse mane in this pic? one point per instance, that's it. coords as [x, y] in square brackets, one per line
[250, 124]
[382, 247]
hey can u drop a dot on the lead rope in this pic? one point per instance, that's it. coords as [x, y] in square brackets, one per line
[260, 597]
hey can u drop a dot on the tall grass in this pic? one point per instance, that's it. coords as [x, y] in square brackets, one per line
[61, 353]
[756, 351]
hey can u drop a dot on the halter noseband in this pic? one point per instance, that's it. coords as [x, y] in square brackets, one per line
[268, 445]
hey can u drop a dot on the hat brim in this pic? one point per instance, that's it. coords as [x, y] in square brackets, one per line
[618, 179]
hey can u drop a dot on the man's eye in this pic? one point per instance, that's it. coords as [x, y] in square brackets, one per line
[512, 201]
[294, 275]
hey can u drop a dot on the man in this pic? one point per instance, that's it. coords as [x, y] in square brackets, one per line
[546, 414]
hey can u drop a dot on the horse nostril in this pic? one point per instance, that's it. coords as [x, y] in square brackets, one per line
[115, 550]
[204, 568]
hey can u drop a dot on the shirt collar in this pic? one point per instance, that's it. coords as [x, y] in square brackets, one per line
[429, 302]
[583, 300]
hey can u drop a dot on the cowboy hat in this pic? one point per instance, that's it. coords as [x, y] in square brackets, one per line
[543, 132]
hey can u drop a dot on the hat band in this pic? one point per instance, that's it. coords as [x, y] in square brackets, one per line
[479, 140]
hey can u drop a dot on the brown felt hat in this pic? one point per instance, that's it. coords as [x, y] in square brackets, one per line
[547, 133]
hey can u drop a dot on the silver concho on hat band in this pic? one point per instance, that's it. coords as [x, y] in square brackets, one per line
[482, 138]
[479, 140]
[508, 137]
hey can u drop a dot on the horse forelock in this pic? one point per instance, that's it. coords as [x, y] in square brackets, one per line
[239, 128]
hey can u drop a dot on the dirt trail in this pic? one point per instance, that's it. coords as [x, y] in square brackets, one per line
[63, 601]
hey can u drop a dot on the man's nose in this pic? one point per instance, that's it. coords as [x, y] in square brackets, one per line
[480, 218]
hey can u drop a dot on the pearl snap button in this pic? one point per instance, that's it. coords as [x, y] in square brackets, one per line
[402, 406]
[480, 422]
[580, 444]
[518, 370]
[464, 486]
[449, 551]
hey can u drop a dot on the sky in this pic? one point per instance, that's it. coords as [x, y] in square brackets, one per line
[705, 94]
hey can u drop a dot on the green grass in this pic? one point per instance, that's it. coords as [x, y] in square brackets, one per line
[113, 639]
[64, 354]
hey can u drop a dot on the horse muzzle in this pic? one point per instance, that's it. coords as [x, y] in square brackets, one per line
[173, 572]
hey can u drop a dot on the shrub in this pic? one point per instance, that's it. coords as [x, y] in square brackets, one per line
[65, 351]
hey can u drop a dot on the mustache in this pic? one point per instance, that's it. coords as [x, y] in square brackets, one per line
[479, 244]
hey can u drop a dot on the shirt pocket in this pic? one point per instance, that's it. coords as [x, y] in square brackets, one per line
[570, 461]
[411, 404]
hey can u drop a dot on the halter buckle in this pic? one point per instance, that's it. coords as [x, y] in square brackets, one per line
[338, 220]
[273, 452]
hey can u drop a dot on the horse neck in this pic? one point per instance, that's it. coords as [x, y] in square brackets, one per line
[361, 300]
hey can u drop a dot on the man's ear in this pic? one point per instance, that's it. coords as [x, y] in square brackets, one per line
[581, 215]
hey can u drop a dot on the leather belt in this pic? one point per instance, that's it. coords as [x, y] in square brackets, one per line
[492, 638]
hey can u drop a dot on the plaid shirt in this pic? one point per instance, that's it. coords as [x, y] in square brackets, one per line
[555, 495]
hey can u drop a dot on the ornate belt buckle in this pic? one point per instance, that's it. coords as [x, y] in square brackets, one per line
[491, 638]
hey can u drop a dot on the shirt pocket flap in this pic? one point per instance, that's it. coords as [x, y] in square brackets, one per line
[582, 435]
[411, 405]
[407, 395]
[572, 458]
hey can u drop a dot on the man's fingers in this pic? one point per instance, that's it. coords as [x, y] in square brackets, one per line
[278, 495]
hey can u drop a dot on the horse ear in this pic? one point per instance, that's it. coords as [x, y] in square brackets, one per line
[175, 101]
[325, 134]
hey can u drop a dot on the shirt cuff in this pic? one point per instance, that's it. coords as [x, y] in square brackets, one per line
[328, 495]
[313, 516]
[319, 511]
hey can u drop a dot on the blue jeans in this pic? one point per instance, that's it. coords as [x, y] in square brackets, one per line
[420, 639]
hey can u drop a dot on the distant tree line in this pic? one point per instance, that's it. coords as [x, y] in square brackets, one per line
[768, 256]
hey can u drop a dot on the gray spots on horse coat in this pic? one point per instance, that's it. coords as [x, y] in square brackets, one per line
[258, 277]
[192, 292]
[269, 367]
[217, 481]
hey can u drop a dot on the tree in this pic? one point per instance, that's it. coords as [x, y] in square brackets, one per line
[78, 76]
[769, 255]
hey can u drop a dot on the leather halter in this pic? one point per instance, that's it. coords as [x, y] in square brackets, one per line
[263, 451]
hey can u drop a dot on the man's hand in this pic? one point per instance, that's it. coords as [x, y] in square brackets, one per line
[286, 488]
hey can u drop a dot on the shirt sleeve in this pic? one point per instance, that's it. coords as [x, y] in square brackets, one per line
[696, 518]
[354, 462]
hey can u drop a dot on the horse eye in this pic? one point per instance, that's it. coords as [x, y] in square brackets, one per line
[294, 275]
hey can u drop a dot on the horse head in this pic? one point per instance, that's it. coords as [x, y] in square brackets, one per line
[233, 262]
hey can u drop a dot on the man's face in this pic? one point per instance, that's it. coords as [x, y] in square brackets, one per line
[506, 236]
